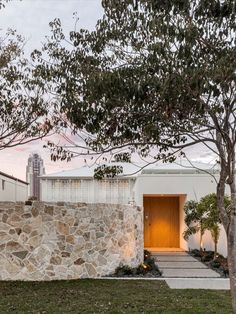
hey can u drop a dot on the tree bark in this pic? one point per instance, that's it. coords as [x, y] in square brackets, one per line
[215, 252]
[229, 223]
[231, 237]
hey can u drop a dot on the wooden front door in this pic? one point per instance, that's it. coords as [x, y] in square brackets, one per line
[161, 222]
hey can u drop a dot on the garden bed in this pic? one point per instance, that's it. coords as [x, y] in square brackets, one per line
[218, 264]
[147, 269]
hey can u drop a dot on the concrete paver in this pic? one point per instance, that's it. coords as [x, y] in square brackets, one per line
[186, 265]
[182, 265]
[196, 283]
[174, 258]
[189, 273]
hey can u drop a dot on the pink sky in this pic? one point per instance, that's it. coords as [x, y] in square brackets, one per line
[14, 160]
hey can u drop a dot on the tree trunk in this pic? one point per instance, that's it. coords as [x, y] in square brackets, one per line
[232, 258]
[215, 252]
[231, 237]
[201, 235]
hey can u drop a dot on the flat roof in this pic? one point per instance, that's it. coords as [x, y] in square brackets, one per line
[181, 167]
[131, 170]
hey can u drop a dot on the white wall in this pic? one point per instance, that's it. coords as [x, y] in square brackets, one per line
[12, 190]
[87, 190]
[190, 187]
[194, 186]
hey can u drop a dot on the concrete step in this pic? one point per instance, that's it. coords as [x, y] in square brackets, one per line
[181, 265]
[198, 283]
[189, 273]
[169, 253]
[174, 258]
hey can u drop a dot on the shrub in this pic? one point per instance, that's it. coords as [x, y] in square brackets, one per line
[124, 270]
[208, 256]
[196, 253]
[142, 269]
[148, 266]
[147, 254]
[215, 264]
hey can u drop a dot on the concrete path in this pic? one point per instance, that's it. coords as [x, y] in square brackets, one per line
[184, 283]
[182, 265]
[182, 271]
[198, 283]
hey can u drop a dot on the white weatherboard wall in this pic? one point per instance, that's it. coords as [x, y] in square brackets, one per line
[189, 187]
[79, 185]
[12, 189]
[87, 190]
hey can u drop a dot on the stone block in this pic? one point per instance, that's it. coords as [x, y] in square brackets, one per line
[35, 211]
[27, 228]
[55, 260]
[12, 246]
[70, 239]
[62, 228]
[49, 210]
[79, 261]
[20, 254]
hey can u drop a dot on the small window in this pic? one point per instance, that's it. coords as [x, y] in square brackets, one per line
[3, 184]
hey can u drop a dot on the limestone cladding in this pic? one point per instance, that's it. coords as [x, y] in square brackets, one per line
[50, 241]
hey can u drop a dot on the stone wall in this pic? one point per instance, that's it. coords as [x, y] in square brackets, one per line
[48, 241]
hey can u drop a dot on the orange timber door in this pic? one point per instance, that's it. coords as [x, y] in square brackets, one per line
[161, 222]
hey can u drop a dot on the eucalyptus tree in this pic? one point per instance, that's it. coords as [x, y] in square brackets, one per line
[157, 75]
[24, 114]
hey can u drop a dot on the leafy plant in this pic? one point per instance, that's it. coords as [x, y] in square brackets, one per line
[124, 270]
[194, 220]
[148, 266]
[211, 219]
[203, 216]
[215, 264]
[105, 171]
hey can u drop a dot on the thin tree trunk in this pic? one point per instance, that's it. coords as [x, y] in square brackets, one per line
[215, 252]
[200, 239]
[232, 259]
[231, 237]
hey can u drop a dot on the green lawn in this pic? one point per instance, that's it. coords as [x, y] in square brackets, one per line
[108, 296]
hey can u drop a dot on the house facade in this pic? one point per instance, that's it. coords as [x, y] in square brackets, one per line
[12, 189]
[161, 190]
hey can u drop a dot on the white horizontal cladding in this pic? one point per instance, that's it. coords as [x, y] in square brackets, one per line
[111, 191]
[12, 189]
